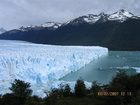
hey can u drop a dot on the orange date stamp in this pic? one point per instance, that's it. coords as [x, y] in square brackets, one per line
[114, 94]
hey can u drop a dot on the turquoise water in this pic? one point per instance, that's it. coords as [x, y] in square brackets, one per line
[104, 69]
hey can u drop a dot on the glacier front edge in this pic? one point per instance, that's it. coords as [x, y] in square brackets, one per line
[42, 64]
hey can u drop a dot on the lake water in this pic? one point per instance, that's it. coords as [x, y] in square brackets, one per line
[104, 69]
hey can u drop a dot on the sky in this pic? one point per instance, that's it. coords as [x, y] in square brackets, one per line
[17, 13]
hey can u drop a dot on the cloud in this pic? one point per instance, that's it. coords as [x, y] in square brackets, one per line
[15, 13]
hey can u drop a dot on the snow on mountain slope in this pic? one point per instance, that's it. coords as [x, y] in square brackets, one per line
[42, 64]
[49, 25]
[120, 16]
[90, 18]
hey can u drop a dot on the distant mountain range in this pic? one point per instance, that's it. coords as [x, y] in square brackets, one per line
[117, 31]
[2, 30]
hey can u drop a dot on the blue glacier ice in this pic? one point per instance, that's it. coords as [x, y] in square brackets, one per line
[42, 65]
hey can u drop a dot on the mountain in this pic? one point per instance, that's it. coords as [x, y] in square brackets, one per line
[119, 16]
[117, 31]
[48, 25]
[2, 30]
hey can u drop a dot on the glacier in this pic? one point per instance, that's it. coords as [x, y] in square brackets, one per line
[42, 65]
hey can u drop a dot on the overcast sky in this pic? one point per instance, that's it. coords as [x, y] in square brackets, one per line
[16, 13]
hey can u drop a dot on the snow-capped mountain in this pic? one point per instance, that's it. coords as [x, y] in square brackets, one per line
[109, 30]
[2, 30]
[51, 25]
[48, 25]
[120, 16]
[42, 64]
[90, 18]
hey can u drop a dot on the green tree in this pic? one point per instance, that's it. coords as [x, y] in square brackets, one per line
[66, 91]
[20, 88]
[21, 91]
[9, 99]
[34, 100]
[95, 88]
[80, 88]
[120, 81]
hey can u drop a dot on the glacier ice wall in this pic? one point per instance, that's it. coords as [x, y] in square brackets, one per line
[42, 65]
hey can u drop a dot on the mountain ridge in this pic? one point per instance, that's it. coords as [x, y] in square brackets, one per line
[117, 31]
[2, 30]
[121, 16]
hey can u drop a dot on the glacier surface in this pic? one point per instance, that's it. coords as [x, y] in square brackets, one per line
[42, 65]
